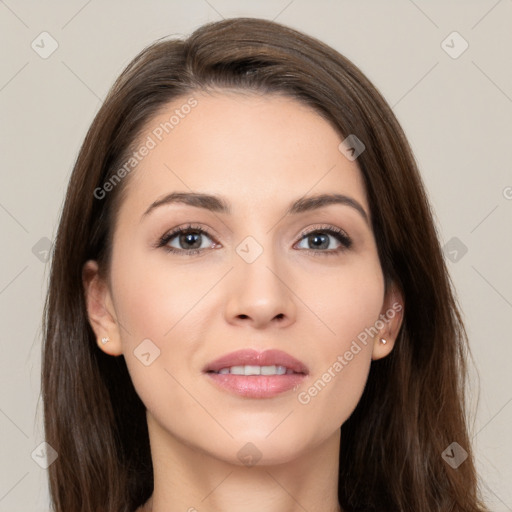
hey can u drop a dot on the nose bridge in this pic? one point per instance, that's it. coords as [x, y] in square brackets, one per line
[256, 264]
[258, 287]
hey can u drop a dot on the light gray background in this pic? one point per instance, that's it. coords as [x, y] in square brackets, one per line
[456, 113]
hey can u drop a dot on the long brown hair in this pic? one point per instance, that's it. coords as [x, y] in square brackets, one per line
[413, 406]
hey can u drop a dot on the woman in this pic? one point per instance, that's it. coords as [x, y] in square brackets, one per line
[248, 305]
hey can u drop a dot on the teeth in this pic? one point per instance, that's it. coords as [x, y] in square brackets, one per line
[256, 370]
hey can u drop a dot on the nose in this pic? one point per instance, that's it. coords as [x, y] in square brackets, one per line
[260, 293]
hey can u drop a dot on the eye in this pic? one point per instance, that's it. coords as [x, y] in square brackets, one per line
[318, 240]
[189, 240]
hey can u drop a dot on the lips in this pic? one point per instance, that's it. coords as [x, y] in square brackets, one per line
[255, 358]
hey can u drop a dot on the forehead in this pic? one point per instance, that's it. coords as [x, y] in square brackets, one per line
[243, 146]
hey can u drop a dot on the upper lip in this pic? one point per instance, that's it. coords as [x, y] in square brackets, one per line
[255, 358]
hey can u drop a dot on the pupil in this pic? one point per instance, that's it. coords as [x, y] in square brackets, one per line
[317, 238]
[189, 239]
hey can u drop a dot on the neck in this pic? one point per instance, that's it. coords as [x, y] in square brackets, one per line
[187, 478]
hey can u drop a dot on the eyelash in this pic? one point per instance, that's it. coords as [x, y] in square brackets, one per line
[339, 234]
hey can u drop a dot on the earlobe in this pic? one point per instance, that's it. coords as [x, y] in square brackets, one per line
[390, 322]
[100, 310]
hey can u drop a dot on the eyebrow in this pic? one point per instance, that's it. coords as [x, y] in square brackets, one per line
[219, 205]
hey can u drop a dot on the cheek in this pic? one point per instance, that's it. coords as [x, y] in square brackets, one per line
[155, 304]
[347, 301]
[349, 307]
[152, 295]
[334, 392]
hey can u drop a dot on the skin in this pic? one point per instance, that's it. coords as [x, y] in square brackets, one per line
[260, 153]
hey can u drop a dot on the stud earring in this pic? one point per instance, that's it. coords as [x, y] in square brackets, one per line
[383, 341]
[105, 340]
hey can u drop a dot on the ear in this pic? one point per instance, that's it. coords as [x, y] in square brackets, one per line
[100, 310]
[389, 323]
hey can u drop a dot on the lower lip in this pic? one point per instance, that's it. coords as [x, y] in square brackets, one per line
[257, 386]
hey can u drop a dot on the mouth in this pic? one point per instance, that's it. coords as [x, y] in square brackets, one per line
[256, 370]
[252, 374]
[252, 362]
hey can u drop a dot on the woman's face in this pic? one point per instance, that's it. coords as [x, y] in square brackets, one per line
[259, 280]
